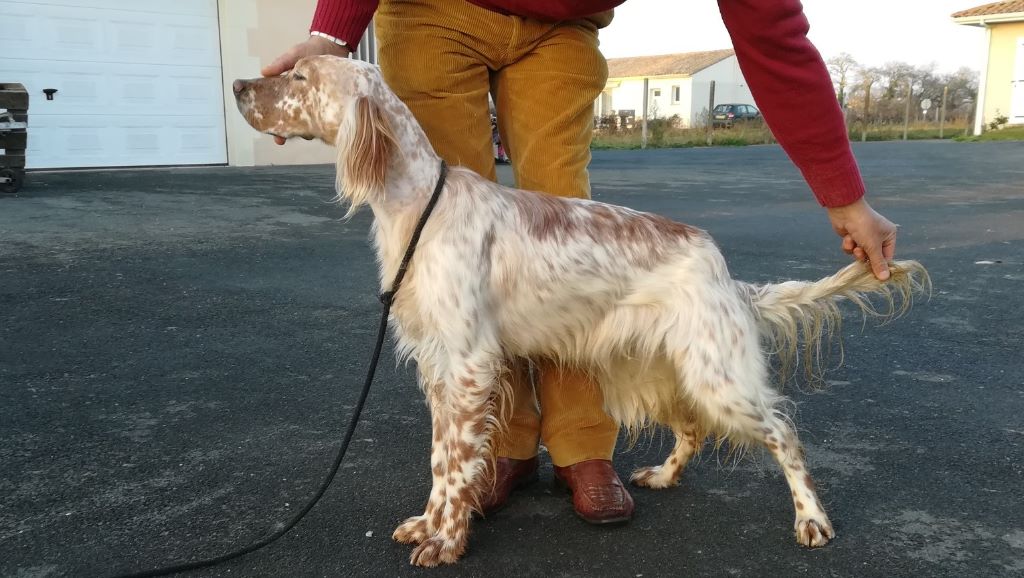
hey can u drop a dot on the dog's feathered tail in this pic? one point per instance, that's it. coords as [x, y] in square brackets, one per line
[806, 315]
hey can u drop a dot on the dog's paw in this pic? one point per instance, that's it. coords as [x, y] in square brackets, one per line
[653, 477]
[436, 551]
[814, 533]
[414, 531]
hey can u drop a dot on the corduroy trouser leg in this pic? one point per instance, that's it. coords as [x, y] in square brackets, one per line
[443, 58]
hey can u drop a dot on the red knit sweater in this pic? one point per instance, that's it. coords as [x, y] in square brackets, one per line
[786, 75]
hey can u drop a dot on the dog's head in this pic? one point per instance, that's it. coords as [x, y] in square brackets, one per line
[337, 100]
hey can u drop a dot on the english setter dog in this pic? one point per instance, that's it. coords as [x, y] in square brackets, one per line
[643, 303]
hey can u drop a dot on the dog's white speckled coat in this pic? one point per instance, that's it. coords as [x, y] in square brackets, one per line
[644, 303]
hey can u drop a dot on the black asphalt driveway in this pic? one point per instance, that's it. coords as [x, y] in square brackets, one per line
[180, 350]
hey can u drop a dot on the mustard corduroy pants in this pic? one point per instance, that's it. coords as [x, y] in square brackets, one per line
[443, 58]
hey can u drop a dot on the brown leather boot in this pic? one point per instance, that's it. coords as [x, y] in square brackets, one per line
[598, 495]
[510, 475]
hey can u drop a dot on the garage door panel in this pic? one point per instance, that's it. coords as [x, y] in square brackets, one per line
[50, 140]
[80, 34]
[157, 7]
[96, 88]
[97, 141]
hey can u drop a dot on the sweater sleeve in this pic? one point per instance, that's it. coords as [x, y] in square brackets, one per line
[792, 87]
[345, 20]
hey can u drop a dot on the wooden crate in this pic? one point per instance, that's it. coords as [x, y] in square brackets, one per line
[13, 140]
[13, 160]
[14, 97]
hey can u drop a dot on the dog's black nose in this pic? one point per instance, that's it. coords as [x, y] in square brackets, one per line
[238, 86]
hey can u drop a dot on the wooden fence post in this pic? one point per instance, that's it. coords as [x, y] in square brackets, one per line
[906, 113]
[711, 116]
[867, 106]
[643, 122]
[942, 111]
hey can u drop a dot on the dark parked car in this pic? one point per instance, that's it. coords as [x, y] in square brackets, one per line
[728, 114]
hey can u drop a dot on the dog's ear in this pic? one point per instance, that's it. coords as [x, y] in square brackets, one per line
[365, 147]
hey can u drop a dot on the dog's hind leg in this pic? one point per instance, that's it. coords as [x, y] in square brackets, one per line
[745, 417]
[464, 425]
[812, 525]
[724, 375]
[688, 440]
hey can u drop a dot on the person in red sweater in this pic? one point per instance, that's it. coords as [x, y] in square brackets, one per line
[540, 60]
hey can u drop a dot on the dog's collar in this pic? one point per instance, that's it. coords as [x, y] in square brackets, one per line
[388, 297]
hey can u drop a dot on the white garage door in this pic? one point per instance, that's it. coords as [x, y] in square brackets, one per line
[138, 81]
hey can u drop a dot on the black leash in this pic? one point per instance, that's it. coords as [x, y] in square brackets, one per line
[387, 298]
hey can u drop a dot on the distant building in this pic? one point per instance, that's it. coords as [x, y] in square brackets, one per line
[1001, 87]
[677, 84]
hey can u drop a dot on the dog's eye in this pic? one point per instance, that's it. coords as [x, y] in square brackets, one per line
[297, 76]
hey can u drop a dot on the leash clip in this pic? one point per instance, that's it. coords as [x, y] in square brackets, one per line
[387, 297]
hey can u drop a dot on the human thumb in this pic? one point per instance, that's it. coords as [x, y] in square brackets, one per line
[879, 265]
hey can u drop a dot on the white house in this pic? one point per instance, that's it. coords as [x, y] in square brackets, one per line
[677, 84]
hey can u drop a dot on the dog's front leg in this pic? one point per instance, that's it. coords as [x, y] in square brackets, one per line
[462, 427]
[417, 529]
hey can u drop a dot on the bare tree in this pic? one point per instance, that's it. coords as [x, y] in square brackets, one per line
[893, 92]
[842, 67]
[861, 94]
[883, 94]
[863, 90]
[928, 84]
[963, 90]
[896, 83]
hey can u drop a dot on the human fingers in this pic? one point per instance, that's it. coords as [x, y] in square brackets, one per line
[848, 244]
[889, 249]
[283, 63]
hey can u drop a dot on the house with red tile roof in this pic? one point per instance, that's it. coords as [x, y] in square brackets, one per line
[1001, 87]
[677, 84]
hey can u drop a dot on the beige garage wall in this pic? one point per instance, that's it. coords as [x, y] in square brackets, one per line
[1002, 60]
[253, 33]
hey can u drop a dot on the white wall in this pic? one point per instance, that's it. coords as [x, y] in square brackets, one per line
[254, 32]
[629, 94]
[662, 106]
[730, 86]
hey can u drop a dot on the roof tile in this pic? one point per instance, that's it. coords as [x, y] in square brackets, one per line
[681, 64]
[993, 8]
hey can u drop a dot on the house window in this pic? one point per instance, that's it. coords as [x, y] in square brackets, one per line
[675, 95]
[655, 92]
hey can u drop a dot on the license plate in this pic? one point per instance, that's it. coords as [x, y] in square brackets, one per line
[719, 117]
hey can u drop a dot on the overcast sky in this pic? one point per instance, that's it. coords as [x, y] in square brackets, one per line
[873, 31]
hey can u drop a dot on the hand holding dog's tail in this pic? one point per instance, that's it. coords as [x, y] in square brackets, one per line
[799, 310]
[867, 235]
